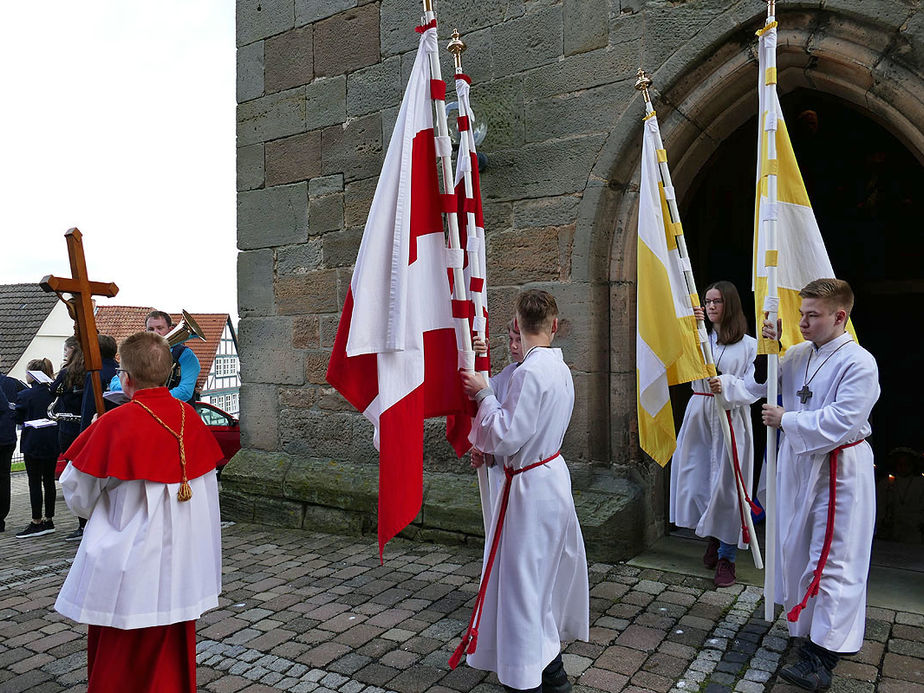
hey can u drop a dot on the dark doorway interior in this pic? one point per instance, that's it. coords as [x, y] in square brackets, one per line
[865, 190]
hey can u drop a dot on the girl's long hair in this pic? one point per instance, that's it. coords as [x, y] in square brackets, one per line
[734, 325]
[76, 368]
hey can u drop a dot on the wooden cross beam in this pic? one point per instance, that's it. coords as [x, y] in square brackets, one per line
[80, 307]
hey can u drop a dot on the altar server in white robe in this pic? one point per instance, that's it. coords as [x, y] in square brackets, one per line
[829, 385]
[535, 594]
[149, 563]
[704, 494]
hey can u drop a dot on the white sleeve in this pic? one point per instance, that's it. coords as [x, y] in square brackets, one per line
[81, 491]
[501, 428]
[740, 392]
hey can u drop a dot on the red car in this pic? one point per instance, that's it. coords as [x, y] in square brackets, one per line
[224, 427]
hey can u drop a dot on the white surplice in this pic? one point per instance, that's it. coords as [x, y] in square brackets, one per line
[703, 492]
[537, 595]
[146, 559]
[844, 389]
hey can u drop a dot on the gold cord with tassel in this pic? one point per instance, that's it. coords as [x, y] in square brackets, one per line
[185, 492]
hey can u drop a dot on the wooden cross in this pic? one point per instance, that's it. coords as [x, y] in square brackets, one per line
[80, 308]
[804, 394]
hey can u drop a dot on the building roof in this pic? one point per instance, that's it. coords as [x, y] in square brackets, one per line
[23, 309]
[120, 322]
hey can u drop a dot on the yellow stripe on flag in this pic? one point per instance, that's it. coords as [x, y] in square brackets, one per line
[667, 344]
[656, 433]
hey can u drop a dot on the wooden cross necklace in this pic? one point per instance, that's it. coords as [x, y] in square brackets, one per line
[805, 394]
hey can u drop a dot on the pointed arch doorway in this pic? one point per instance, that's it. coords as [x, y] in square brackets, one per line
[850, 66]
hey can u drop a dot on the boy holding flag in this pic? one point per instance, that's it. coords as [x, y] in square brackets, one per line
[826, 490]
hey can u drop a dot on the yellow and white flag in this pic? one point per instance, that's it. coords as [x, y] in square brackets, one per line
[668, 343]
[799, 252]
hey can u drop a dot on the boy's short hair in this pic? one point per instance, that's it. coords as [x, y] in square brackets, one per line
[107, 346]
[146, 357]
[158, 315]
[536, 311]
[836, 292]
[43, 365]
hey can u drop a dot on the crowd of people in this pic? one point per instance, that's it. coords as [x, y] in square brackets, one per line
[52, 409]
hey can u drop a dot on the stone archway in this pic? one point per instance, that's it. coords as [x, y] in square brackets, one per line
[703, 93]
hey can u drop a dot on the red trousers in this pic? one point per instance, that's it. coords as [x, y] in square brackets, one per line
[161, 659]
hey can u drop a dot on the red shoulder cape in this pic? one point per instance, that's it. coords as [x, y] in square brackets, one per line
[128, 444]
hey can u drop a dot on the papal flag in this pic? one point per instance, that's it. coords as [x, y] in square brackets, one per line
[395, 356]
[668, 344]
[799, 253]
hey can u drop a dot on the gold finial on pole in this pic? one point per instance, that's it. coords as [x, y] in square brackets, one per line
[428, 5]
[771, 8]
[457, 47]
[643, 83]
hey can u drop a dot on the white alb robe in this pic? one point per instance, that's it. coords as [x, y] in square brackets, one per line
[844, 391]
[537, 595]
[146, 559]
[704, 496]
[499, 385]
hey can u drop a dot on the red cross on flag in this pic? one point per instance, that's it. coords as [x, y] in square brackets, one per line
[395, 357]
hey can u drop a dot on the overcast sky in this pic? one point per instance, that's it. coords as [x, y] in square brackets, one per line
[118, 118]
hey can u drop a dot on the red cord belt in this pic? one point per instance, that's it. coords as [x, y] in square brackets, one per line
[470, 639]
[812, 590]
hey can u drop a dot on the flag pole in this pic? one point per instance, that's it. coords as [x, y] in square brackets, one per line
[642, 83]
[457, 47]
[444, 152]
[459, 290]
[771, 307]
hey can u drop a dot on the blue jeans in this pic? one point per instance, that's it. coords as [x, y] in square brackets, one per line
[727, 551]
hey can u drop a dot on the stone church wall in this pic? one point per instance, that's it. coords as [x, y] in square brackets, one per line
[319, 85]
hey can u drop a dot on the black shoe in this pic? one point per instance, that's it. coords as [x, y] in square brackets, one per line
[808, 673]
[36, 530]
[76, 535]
[555, 678]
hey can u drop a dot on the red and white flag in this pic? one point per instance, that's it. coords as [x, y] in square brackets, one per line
[395, 357]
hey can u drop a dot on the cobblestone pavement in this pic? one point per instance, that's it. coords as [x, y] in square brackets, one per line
[314, 612]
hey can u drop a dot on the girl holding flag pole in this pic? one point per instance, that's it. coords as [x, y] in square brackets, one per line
[703, 486]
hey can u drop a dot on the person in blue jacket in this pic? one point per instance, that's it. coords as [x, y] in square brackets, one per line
[186, 366]
[40, 450]
[9, 388]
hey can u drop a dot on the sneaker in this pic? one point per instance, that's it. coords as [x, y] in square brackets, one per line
[808, 673]
[724, 573]
[711, 557]
[76, 535]
[36, 530]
